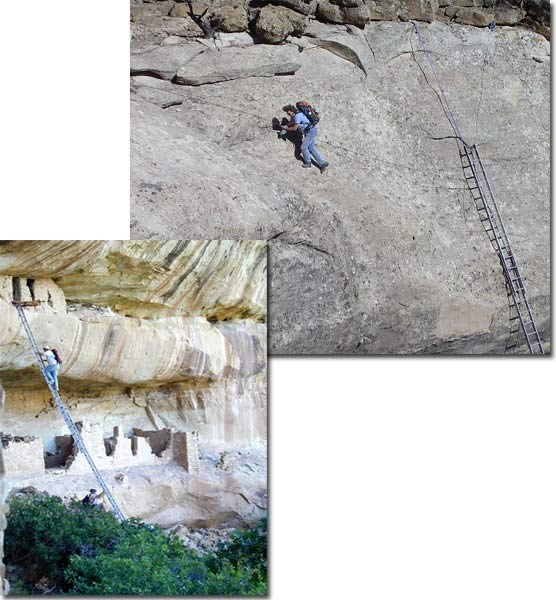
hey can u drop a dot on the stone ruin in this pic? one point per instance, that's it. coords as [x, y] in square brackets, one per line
[44, 292]
[25, 454]
[22, 454]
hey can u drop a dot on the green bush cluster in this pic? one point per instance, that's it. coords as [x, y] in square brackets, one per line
[82, 550]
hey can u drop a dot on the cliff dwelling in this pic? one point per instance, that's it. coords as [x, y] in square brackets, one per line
[24, 455]
[163, 375]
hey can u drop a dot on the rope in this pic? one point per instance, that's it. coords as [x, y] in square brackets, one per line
[442, 95]
[485, 63]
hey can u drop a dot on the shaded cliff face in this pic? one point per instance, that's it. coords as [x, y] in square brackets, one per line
[385, 253]
[155, 338]
[215, 280]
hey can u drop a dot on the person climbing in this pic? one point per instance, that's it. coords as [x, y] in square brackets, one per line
[53, 365]
[94, 499]
[300, 122]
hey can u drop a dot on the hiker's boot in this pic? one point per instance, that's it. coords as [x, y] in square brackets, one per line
[306, 165]
[323, 167]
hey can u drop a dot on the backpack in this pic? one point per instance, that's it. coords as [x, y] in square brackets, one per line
[56, 356]
[87, 500]
[310, 112]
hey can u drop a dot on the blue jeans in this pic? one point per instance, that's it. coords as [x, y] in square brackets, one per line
[52, 372]
[309, 149]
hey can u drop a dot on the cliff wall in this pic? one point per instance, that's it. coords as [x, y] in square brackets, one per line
[385, 252]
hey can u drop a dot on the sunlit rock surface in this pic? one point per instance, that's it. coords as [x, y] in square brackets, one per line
[376, 255]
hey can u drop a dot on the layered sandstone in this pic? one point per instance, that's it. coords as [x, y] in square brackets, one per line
[213, 279]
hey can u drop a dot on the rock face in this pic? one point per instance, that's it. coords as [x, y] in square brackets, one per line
[163, 349]
[385, 253]
[164, 61]
[236, 63]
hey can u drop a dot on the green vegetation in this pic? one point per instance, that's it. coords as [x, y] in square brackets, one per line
[82, 550]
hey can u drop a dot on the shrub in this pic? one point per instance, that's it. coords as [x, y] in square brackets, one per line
[82, 550]
[42, 528]
[242, 561]
[146, 562]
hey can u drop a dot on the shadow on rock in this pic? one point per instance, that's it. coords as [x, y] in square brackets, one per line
[294, 137]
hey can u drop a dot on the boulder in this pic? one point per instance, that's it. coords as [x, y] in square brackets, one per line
[182, 9]
[239, 63]
[305, 7]
[419, 10]
[149, 31]
[470, 16]
[154, 9]
[354, 12]
[231, 18]
[538, 16]
[385, 10]
[275, 23]
[508, 15]
[164, 62]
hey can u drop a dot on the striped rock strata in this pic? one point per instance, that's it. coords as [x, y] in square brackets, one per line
[214, 279]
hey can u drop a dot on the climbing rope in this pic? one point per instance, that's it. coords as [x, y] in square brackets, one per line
[488, 54]
[441, 93]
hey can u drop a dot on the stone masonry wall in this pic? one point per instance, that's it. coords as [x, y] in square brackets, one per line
[22, 455]
[186, 450]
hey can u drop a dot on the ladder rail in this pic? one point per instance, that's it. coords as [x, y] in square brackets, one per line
[491, 194]
[524, 323]
[506, 237]
[520, 294]
[502, 242]
[65, 414]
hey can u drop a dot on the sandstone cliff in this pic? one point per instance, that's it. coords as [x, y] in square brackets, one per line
[164, 364]
[384, 253]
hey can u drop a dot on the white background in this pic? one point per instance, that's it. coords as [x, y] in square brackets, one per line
[400, 478]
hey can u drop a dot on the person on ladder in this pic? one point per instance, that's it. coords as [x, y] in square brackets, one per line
[53, 362]
[94, 499]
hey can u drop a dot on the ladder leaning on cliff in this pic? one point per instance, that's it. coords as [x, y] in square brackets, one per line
[63, 410]
[477, 181]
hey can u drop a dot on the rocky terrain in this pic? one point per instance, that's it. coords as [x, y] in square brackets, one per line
[163, 349]
[385, 252]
